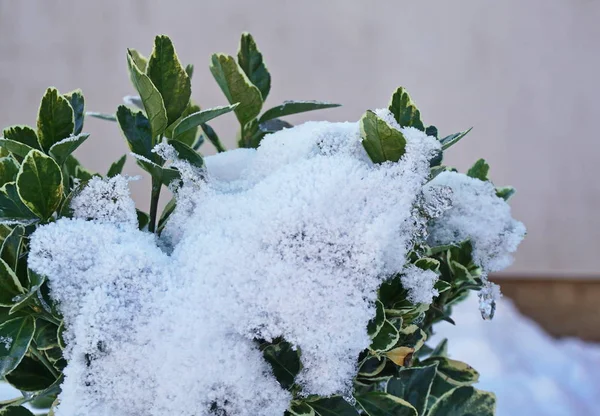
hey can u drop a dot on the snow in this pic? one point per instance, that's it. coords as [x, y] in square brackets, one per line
[419, 284]
[530, 372]
[292, 242]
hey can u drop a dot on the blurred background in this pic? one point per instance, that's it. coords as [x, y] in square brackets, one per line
[525, 75]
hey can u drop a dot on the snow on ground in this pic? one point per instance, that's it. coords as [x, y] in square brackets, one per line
[530, 372]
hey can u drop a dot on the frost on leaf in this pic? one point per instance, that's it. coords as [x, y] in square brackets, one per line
[290, 240]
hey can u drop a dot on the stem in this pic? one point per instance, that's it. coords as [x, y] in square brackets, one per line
[44, 360]
[156, 185]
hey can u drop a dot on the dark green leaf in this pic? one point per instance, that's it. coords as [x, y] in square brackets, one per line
[143, 219]
[164, 175]
[301, 409]
[294, 107]
[22, 134]
[170, 79]
[237, 87]
[23, 300]
[11, 247]
[505, 192]
[16, 148]
[413, 385]
[285, 362]
[186, 153]
[55, 119]
[371, 366]
[212, 137]
[10, 284]
[431, 131]
[167, 211]
[8, 170]
[17, 335]
[199, 118]
[30, 375]
[60, 151]
[427, 263]
[333, 406]
[39, 184]
[151, 98]
[441, 350]
[190, 136]
[442, 286]
[117, 167]
[479, 170]
[378, 320]
[11, 206]
[189, 70]
[381, 141]
[46, 335]
[453, 138]
[465, 401]
[15, 411]
[251, 61]
[77, 102]
[383, 404]
[137, 130]
[386, 338]
[404, 110]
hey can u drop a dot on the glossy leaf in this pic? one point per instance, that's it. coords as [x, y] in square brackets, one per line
[16, 336]
[381, 141]
[55, 119]
[285, 362]
[77, 102]
[383, 404]
[169, 77]
[117, 167]
[11, 247]
[333, 406]
[22, 134]
[8, 170]
[46, 335]
[186, 153]
[12, 208]
[453, 138]
[164, 175]
[251, 61]
[151, 98]
[237, 87]
[39, 184]
[190, 136]
[137, 130]
[30, 375]
[301, 409]
[479, 170]
[463, 401]
[16, 411]
[378, 320]
[10, 284]
[16, 148]
[60, 151]
[413, 385]
[294, 107]
[199, 118]
[386, 338]
[404, 110]
[35, 282]
[212, 137]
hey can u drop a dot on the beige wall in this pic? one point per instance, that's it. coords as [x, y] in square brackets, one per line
[525, 74]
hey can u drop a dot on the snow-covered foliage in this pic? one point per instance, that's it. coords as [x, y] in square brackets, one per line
[293, 243]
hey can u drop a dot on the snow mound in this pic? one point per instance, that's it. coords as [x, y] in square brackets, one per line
[291, 240]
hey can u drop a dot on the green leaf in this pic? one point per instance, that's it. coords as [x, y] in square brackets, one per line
[11, 206]
[294, 107]
[199, 118]
[39, 184]
[333, 406]
[16, 148]
[22, 134]
[151, 98]
[412, 336]
[46, 335]
[55, 119]
[190, 136]
[453, 138]
[427, 263]
[117, 167]
[170, 79]
[464, 401]
[251, 61]
[442, 286]
[212, 137]
[450, 374]
[431, 131]
[301, 409]
[371, 366]
[15, 411]
[8, 170]
[441, 350]
[237, 87]
[140, 60]
[77, 102]
[61, 150]
[164, 175]
[413, 385]
[11, 247]
[30, 375]
[386, 338]
[189, 70]
[17, 335]
[137, 130]
[35, 283]
[404, 110]
[381, 141]
[383, 404]
[378, 320]
[10, 284]
[167, 211]
[186, 153]
[101, 116]
[143, 219]
[505, 192]
[479, 170]
[285, 362]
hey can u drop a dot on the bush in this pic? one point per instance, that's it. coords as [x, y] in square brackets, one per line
[306, 275]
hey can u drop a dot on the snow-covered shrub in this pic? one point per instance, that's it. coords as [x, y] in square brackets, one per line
[298, 275]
